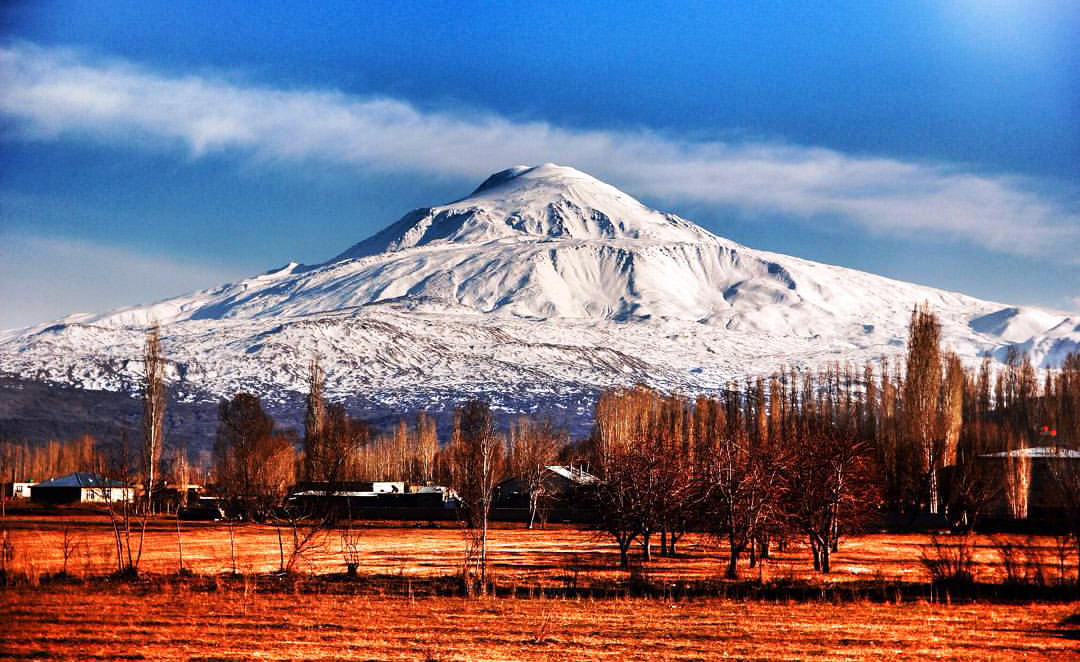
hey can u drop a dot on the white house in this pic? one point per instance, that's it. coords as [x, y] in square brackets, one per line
[81, 487]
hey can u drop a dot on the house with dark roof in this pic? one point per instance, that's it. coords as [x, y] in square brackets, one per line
[566, 496]
[81, 487]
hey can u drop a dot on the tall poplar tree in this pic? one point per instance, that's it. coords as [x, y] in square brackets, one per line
[153, 422]
[921, 391]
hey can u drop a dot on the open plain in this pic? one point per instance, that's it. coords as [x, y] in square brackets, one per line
[122, 622]
[320, 614]
[518, 556]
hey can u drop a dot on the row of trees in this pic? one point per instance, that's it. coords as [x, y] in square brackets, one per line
[26, 461]
[816, 454]
[255, 462]
[757, 464]
[337, 447]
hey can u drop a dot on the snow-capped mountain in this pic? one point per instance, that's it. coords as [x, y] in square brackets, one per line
[542, 286]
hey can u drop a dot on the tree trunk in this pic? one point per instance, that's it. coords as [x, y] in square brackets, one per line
[483, 557]
[624, 553]
[825, 559]
[646, 546]
[732, 568]
[663, 542]
[179, 544]
[232, 546]
[533, 499]
[933, 487]
[733, 559]
[119, 543]
[281, 549]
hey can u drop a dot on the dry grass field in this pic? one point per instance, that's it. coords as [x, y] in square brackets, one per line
[212, 617]
[518, 556]
[175, 623]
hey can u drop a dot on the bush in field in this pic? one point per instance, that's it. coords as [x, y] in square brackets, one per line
[950, 560]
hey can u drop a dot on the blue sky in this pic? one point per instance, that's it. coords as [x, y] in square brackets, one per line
[148, 149]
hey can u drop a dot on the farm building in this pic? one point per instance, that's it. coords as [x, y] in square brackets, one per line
[347, 489]
[374, 500]
[81, 487]
[565, 496]
[170, 497]
[17, 490]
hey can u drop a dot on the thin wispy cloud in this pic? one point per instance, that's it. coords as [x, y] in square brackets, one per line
[55, 93]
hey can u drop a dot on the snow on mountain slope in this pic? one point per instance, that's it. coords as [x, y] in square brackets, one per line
[547, 201]
[544, 283]
[1051, 347]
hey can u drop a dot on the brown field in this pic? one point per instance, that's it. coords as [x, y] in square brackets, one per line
[518, 556]
[174, 623]
[214, 618]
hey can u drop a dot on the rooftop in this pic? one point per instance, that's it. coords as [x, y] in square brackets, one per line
[1039, 451]
[80, 479]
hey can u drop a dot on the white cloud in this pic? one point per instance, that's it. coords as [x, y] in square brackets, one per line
[43, 278]
[54, 93]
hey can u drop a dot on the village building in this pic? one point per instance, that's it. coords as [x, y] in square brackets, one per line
[81, 487]
[169, 497]
[374, 500]
[17, 489]
[565, 496]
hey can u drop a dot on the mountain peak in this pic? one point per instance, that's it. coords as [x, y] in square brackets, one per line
[533, 203]
[547, 174]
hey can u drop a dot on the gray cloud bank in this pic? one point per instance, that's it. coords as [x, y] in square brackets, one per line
[52, 93]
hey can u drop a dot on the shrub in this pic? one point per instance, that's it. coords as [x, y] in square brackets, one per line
[950, 560]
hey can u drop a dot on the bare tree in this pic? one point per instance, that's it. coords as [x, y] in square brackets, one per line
[952, 407]
[180, 475]
[1066, 473]
[122, 512]
[973, 482]
[476, 456]
[1065, 468]
[626, 497]
[534, 447]
[1017, 478]
[745, 485]
[831, 483]
[341, 440]
[425, 447]
[153, 421]
[255, 463]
